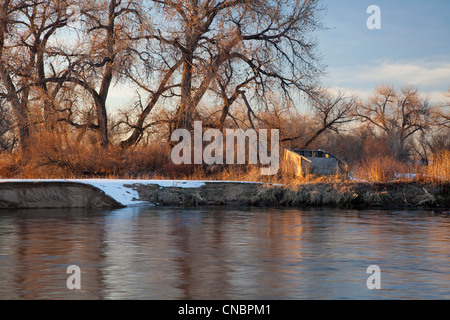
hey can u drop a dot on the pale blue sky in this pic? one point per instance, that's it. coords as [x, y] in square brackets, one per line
[412, 47]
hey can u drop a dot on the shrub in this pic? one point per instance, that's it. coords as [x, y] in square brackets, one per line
[439, 168]
[386, 169]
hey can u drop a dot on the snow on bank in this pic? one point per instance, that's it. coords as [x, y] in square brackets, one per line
[407, 176]
[119, 189]
[352, 177]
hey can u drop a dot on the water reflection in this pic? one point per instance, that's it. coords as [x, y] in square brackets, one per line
[218, 253]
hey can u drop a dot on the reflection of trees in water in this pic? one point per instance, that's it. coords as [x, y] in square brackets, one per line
[223, 253]
[137, 256]
[227, 256]
[202, 261]
[44, 245]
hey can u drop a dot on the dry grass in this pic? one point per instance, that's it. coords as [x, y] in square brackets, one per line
[55, 157]
[10, 165]
[439, 169]
[50, 157]
[387, 169]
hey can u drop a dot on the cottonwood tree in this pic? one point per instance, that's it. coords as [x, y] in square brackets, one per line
[268, 42]
[443, 113]
[8, 137]
[429, 144]
[12, 84]
[99, 56]
[437, 138]
[398, 114]
[27, 29]
[186, 48]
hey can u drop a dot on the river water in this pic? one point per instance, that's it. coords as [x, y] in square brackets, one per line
[224, 253]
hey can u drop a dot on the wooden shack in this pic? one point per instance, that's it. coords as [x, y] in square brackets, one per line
[301, 162]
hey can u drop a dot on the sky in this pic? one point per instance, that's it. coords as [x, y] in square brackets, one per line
[412, 48]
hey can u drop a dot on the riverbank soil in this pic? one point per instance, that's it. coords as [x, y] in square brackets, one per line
[345, 194]
[53, 195]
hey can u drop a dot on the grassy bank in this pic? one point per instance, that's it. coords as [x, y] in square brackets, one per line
[379, 182]
[332, 194]
[48, 162]
[111, 193]
[357, 194]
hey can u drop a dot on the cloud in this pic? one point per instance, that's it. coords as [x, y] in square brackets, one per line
[351, 92]
[432, 96]
[415, 74]
[432, 79]
[435, 96]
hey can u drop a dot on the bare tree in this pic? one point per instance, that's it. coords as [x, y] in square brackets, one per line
[26, 28]
[192, 52]
[267, 44]
[101, 55]
[397, 114]
[11, 88]
[443, 114]
[332, 113]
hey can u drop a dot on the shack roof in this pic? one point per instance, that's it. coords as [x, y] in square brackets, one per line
[311, 153]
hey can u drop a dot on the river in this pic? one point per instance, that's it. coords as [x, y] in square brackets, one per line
[224, 253]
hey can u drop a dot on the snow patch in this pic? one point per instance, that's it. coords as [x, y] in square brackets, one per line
[351, 176]
[408, 176]
[120, 190]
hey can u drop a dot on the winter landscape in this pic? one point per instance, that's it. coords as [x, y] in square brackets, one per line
[224, 150]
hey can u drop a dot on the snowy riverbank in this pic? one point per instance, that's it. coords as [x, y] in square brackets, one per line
[123, 191]
[118, 193]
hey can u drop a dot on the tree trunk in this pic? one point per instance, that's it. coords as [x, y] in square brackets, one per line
[24, 132]
[20, 109]
[184, 113]
[103, 125]
[139, 127]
